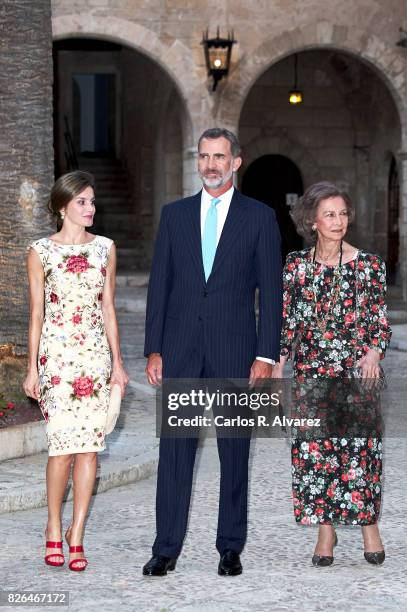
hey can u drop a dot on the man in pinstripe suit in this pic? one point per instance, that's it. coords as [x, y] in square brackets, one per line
[211, 253]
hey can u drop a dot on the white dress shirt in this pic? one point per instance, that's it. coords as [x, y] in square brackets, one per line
[222, 209]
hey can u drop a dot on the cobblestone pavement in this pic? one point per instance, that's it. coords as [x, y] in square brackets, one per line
[278, 574]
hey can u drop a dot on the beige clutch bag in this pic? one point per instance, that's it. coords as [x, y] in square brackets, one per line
[113, 410]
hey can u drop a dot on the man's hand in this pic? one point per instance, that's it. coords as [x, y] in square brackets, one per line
[259, 369]
[154, 369]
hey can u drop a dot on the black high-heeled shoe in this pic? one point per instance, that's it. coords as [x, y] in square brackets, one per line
[324, 560]
[376, 558]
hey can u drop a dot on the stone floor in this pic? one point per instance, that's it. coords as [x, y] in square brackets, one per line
[278, 574]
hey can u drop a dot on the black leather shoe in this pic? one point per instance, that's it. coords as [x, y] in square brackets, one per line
[159, 565]
[324, 560]
[376, 558]
[229, 564]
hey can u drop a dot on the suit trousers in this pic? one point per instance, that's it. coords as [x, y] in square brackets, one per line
[174, 485]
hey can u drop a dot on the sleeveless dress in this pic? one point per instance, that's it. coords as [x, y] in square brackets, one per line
[74, 361]
[336, 480]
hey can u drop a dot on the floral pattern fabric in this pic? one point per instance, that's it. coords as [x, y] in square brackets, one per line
[74, 360]
[335, 480]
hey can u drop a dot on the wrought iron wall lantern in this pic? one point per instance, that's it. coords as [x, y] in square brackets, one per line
[295, 95]
[218, 52]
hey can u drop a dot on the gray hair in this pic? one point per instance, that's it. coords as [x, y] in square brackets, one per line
[304, 212]
[214, 133]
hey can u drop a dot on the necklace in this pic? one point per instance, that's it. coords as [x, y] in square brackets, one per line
[324, 259]
[323, 315]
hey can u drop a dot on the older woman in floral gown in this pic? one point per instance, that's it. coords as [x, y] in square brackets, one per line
[336, 480]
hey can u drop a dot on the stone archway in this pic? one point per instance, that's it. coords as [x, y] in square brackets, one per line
[279, 143]
[269, 179]
[385, 60]
[175, 58]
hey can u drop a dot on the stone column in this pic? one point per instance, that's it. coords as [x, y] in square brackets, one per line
[402, 165]
[26, 154]
[191, 181]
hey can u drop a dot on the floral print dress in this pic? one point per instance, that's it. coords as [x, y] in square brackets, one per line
[336, 480]
[74, 360]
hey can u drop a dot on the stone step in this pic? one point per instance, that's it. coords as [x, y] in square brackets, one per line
[109, 184]
[119, 191]
[99, 161]
[135, 279]
[116, 209]
[123, 241]
[114, 199]
[120, 223]
[130, 263]
[105, 177]
[126, 460]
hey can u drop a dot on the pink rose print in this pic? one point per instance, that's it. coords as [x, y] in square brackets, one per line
[76, 319]
[43, 360]
[55, 380]
[54, 298]
[83, 386]
[356, 496]
[77, 264]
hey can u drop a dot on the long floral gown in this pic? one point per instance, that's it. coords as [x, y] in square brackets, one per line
[336, 480]
[74, 360]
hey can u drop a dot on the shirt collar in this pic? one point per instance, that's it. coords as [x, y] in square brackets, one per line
[225, 198]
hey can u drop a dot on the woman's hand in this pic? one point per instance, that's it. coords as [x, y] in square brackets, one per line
[369, 364]
[278, 369]
[119, 377]
[31, 385]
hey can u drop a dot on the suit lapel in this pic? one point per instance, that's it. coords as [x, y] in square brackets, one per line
[192, 224]
[233, 225]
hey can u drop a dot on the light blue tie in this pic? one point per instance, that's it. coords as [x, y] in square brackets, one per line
[209, 237]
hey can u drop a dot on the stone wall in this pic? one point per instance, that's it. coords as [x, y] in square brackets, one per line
[26, 153]
[169, 32]
[151, 141]
[340, 133]
[269, 31]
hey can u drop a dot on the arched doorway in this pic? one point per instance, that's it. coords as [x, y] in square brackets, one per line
[276, 181]
[112, 106]
[341, 132]
[393, 206]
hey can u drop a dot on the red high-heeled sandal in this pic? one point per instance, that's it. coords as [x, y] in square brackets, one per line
[73, 564]
[47, 558]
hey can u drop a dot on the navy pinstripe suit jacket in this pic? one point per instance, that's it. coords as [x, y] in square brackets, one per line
[185, 314]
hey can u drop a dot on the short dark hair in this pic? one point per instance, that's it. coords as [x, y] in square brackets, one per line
[304, 212]
[214, 133]
[65, 189]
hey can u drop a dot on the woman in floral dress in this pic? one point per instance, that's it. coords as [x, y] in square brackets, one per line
[73, 353]
[336, 480]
